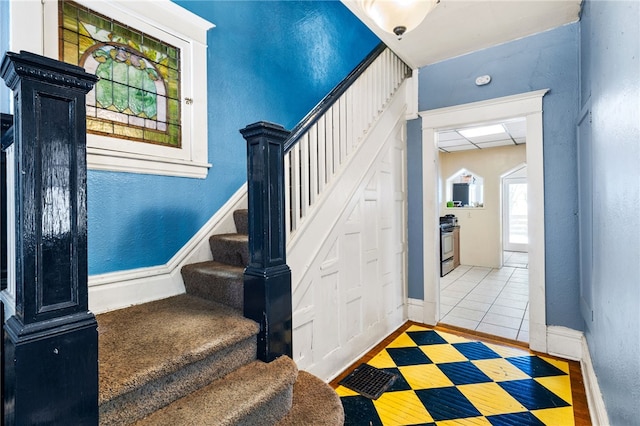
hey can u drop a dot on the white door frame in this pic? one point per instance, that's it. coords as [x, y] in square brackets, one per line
[528, 105]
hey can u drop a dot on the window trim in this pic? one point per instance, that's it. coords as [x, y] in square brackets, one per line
[177, 26]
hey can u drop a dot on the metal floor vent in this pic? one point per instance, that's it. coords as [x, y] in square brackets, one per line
[369, 381]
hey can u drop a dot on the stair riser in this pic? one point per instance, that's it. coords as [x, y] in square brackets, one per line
[232, 252]
[270, 412]
[156, 394]
[226, 290]
[241, 219]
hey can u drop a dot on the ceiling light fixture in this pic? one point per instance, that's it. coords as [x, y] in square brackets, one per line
[482, 131]
[398, 16]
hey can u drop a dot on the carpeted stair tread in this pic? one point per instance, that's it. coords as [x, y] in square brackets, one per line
[154, 353]
[215, 281]
[314, 403]
[232, 249]
[256, 394]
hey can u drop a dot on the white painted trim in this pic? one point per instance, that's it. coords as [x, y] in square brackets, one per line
[564, 342]
[415, 310]
[528, 105]
[412, 95]
[597, 409]
[120, 289]
[101, 159]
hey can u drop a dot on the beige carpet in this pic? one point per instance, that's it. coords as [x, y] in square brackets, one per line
[314, 403]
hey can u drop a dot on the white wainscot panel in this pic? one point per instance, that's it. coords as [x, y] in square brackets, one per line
[304, 345]
[328, 329]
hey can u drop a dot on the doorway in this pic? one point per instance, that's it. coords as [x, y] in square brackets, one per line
[528, 105]
[515, 237]
[482, 294]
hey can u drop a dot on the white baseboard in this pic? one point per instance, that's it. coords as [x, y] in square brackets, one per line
[564, 342]
[597, 409]
[116, 290]
[415, 310]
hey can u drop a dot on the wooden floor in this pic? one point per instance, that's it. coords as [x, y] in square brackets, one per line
[580, 408]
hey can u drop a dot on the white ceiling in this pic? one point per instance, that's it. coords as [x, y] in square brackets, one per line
[456, 27]
[515, 132]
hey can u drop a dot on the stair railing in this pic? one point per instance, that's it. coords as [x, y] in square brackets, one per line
[289, 172]
[324, 141]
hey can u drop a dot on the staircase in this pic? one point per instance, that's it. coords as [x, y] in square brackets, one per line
[191, 359]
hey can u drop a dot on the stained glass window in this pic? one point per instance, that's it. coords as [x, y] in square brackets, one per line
[137, 96]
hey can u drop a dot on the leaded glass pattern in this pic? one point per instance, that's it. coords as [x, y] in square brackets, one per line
[137, 96]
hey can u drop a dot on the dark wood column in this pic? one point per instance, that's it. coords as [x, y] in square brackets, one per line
[51, 340]
[6, 139]
[267, 278]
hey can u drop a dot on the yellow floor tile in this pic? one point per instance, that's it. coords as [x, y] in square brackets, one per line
[555, 416]
[500, 369]
[507, 351]
[560, 385]
[425, 376]
[402, 341]
[382, 360]
[562, 365]
[490, 399]
[401, 408]
[442, 353]
[342, 391]
[452, 338]
[417, 328]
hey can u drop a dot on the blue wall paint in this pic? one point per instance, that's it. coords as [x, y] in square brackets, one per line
[610, 74]
[545, 60]
[414, 207]
[267, 61]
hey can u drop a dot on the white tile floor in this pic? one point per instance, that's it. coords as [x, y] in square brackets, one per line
[494, 301]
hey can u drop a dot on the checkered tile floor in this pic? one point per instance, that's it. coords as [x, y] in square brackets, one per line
[444, 379]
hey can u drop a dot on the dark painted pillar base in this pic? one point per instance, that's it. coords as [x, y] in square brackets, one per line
[268, 302]
[67, 378]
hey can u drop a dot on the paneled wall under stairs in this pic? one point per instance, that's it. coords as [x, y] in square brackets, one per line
[349, 264]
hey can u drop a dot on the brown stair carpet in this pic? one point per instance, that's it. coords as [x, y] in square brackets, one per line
[256, 394]
[154, 353]
[215, 281]
[191, 359]
[314, 403]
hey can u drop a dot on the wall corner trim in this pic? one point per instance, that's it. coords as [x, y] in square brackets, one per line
[564, 342]
[415, 310]
[597, 409]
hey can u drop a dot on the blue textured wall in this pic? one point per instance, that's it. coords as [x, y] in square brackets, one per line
[268, 60]
[610, 53]
[545, 60]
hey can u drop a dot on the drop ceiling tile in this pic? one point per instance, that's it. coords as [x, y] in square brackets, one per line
[496, 144]
[460, 148]
[449, 135]
[457, 142]
[490, 138]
